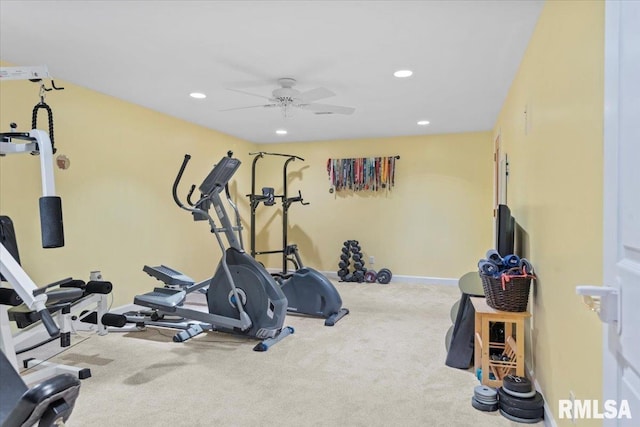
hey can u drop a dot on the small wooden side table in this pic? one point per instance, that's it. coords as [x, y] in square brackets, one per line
[512, 350]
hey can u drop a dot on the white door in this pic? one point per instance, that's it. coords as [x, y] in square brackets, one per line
[621, 352]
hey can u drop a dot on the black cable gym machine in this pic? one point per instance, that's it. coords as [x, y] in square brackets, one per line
[308, 291]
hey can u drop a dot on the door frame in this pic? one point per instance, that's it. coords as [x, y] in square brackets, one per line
[610, 186]
[614, 21]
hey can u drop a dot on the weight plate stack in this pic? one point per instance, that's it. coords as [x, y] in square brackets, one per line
[486, 396]
[485, 407]
[517, 384]
[522, 420]
[519, 409]
[527, 395]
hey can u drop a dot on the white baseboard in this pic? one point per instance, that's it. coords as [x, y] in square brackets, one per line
[421, 280]
[549, 421]
[424, 280]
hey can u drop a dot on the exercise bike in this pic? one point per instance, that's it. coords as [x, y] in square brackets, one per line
[242, 297]
[308, 291]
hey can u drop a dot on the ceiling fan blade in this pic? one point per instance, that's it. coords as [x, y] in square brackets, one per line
[251, 106]
[328, 109]
[314, 95]
[249, 93]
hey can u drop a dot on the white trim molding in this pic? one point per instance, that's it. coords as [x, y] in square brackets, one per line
[420, 280]
[549, 421]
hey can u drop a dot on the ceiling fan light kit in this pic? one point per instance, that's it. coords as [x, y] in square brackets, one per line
[287, 98]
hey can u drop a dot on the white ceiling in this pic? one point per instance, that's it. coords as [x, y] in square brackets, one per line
[464, 55]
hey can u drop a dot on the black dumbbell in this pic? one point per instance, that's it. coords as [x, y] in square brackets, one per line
[384, 276]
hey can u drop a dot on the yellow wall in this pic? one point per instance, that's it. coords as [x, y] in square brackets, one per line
[119, 214]
[117, 206]
[555, 190]
[436, 222]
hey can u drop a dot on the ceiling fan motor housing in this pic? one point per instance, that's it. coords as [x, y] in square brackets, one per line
[286, 93]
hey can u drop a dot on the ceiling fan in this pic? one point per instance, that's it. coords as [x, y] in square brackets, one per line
[287, 98]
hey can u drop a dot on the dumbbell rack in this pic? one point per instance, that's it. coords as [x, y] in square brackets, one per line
[351, 251]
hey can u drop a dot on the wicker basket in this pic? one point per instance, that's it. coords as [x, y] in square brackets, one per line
[507, 293]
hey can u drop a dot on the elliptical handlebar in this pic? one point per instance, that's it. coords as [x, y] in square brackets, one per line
[191, 190]
[176, 199]
[214, 183]
[238, 226]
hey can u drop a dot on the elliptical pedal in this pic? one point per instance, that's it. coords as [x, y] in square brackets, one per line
[161, 299]
[169, 276]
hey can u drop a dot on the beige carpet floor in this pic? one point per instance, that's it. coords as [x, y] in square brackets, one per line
[382, 365]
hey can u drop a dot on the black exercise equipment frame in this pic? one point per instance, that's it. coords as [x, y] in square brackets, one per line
[256, 199]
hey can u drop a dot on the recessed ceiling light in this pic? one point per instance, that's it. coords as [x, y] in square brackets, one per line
[281, 132]
[423, 122]
[403, 73]
[197, 95]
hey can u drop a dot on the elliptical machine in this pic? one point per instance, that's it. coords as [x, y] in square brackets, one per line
[308, 292]
[242, 297]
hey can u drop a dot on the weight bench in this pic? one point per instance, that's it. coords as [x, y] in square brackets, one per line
[71, 302]
[46, 404]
